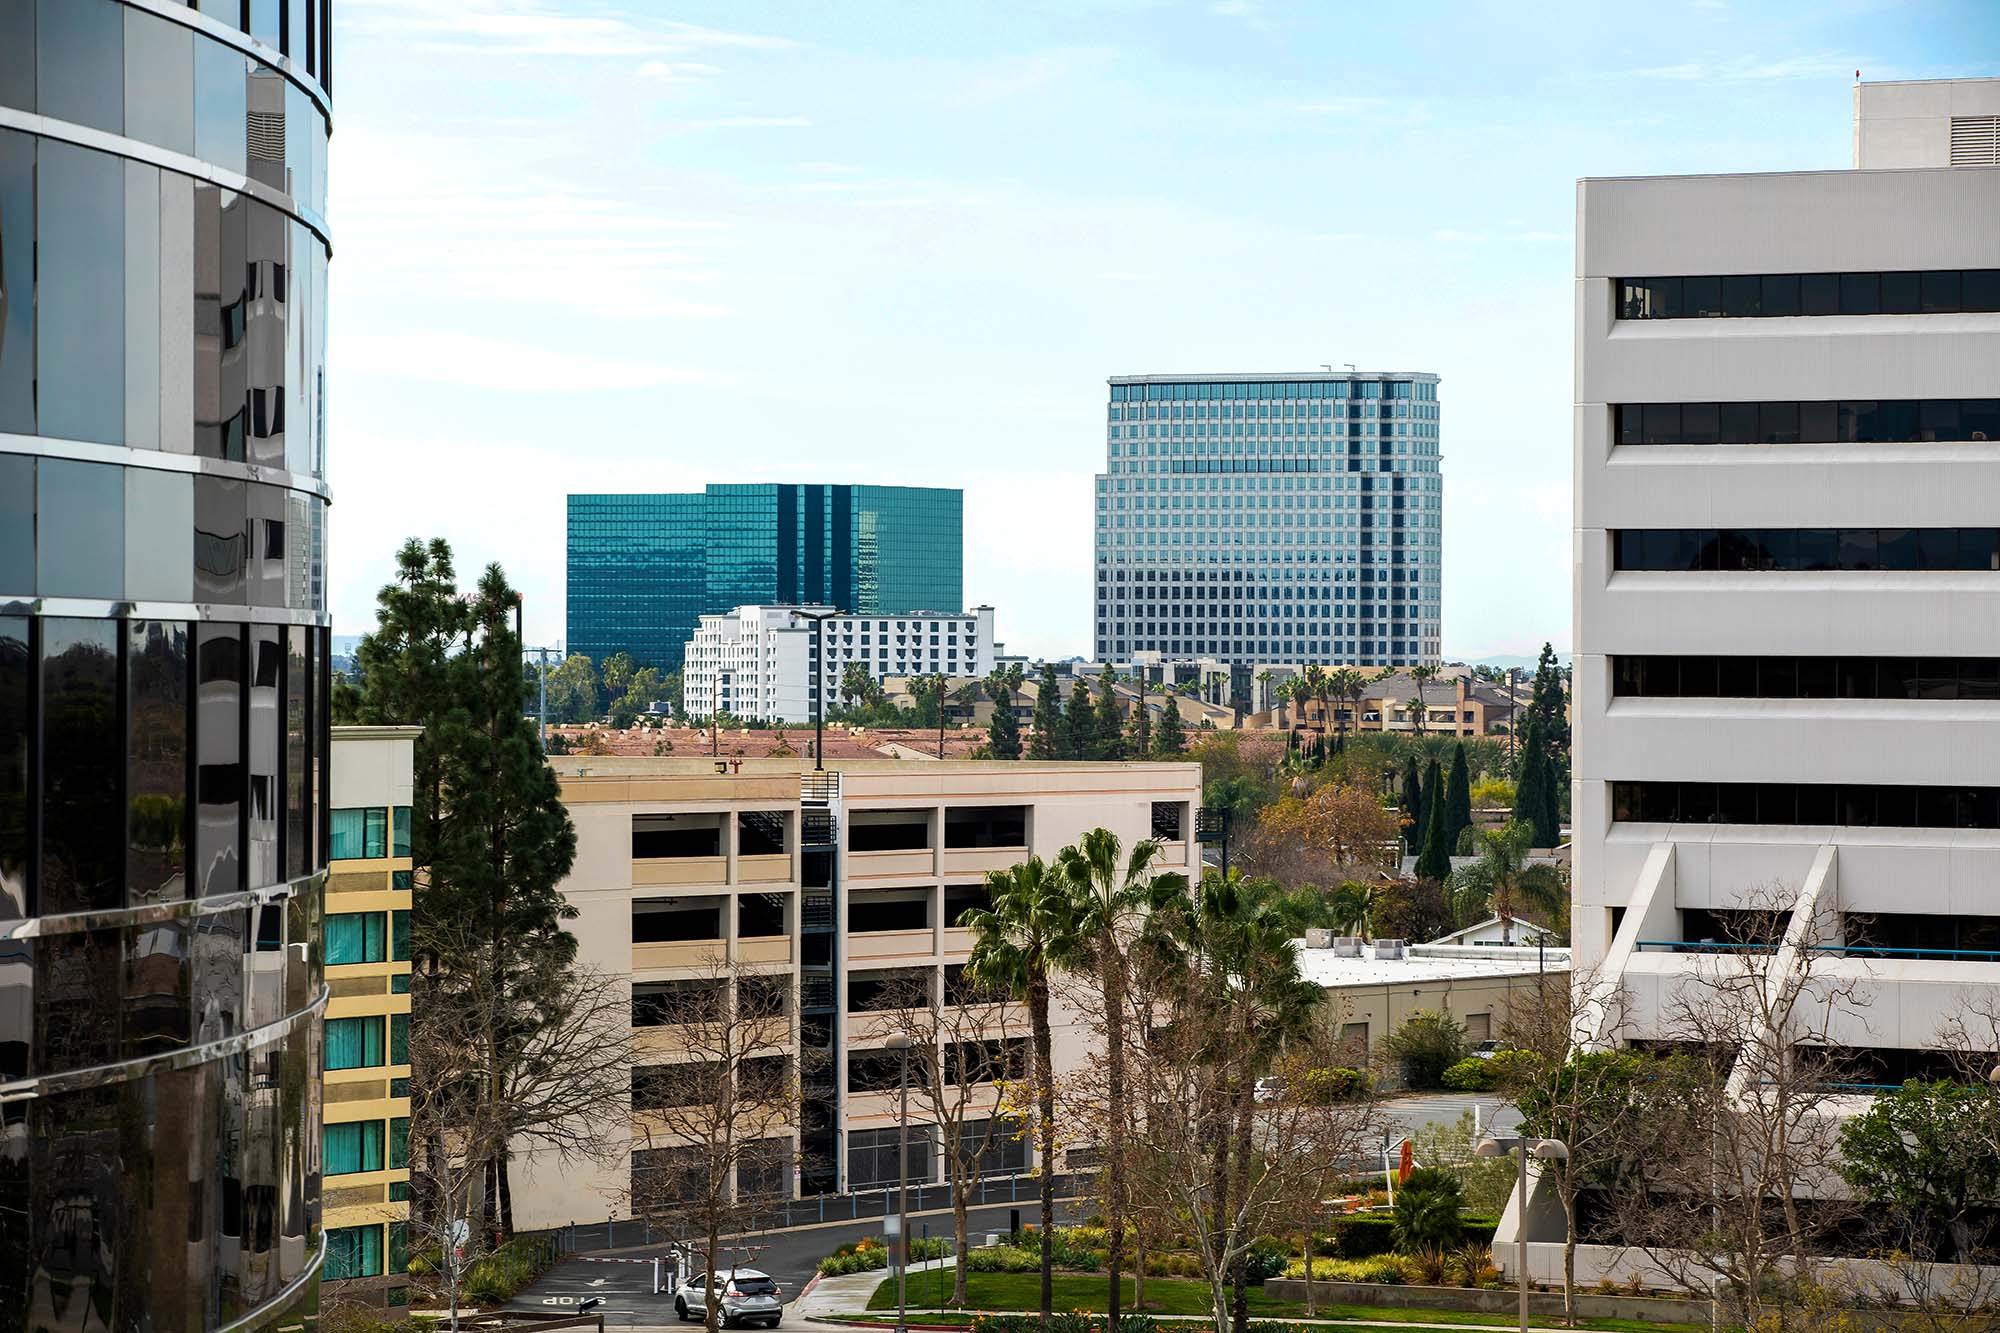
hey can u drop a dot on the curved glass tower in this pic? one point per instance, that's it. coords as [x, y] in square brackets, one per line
[163, 651]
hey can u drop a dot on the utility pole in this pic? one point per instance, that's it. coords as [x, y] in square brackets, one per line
[818, 677]
[1513, 683]
[542, 651]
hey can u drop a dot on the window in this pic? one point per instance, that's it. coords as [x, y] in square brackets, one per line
[894, 910]
[673, 920]
[1806, 803]
[1795, 549]
[353, 1043]
[986, 826]
[399, 1143]
[399, 1246]
[871, 1156]
[399, 937]
[1774, 296]
[1851, 421]
[359, 834]
[1167, 817]
[960, 899]
[354, 1146]
[353, 1252]
[761, 915]
[355, 937]
[889, 830]
[657, 837]
[401, 823]
[1664, 677]
[891, 989]
[399, 1039]
[692, 1001]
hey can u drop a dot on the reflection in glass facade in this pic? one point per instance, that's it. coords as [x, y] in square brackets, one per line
[1262, 518]
[643, 569]
[163, 662]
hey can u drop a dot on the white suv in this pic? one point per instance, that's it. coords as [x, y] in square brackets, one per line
[748, 1297]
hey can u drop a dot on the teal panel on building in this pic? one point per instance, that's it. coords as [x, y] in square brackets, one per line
[644, 568]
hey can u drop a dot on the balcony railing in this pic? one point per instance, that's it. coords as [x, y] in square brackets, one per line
[1702, 946]
[1885, 951]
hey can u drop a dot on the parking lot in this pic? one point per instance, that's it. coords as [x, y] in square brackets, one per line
[626, 1289]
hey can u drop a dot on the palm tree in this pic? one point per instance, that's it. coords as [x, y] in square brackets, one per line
[1502, 880]
[1312, 685]
[1357, 687]
[1110, 900]
[1342, 685]
[1421, 676]
[1264, 679]
[1015, 946]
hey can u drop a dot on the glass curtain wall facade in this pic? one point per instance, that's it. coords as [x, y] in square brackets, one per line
[644, 569]
[163, 660]
[1271, 517]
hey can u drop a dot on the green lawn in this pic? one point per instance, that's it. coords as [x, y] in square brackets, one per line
[1180, 1296]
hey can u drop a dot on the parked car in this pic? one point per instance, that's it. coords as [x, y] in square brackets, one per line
[748, 1298]
[1486, 1050]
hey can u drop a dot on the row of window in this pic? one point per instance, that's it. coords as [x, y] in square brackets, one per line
[1843, 677]
[357, 1043]
[1848, 421]
[1778, 295]
[367, 1145]
[1856, 805]
[1134, 393]
[1690, 550]
[367, 937]
[175, 760]
[364, 833]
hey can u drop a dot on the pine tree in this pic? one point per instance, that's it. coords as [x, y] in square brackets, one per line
[1434, 862]
[1170, 741]
[491, 835]
[1139, 737]
[1110, 738]
[1080, 723]
[1048, 740]
[1003, 733]
[1458, 798]
[1413, 805]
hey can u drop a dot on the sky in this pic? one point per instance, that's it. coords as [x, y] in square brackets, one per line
[592, 246]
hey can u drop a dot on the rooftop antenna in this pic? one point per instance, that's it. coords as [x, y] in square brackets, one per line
[1350, 366]
[1326, 366]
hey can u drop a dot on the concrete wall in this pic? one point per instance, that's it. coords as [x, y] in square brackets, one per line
[1908, 124]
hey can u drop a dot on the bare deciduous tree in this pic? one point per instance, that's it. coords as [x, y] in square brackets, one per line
[717, 1115]
[966, 1045]
[1736, 1147]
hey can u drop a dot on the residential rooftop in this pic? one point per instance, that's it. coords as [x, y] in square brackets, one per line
[1426, 962]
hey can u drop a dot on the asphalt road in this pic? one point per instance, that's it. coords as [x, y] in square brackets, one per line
[789, 1256]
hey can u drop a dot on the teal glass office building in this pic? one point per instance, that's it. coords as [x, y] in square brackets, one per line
[643, 569]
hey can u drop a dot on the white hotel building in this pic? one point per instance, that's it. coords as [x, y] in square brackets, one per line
[760, 661]
[1787, 568]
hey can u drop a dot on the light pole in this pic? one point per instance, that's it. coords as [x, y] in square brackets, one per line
[819, 619]
[900, 1043]
[1544, 1150]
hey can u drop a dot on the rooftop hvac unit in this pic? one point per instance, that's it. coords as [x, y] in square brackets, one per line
[1347, 946]
[1389, 951]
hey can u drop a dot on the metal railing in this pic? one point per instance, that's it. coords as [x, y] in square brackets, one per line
[1702, 946]
[1886, 951]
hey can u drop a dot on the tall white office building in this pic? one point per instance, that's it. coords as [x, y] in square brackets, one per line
[1271, 517]
[761, 661]
[1787, 568]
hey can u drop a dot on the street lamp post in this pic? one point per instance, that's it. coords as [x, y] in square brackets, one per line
[1544, 1150]
[900, 1043]
[819, 619]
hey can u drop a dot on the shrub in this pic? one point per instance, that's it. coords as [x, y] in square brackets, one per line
[1381, 1268]
[1003, 1259]
[868, 1254]
[1265, 1261]
[494, 1278]
[1425, 1266]
[1426, 1212]
[1323, 1087]
[1426, 1045]
[1360, 1237]
[1471, 1074]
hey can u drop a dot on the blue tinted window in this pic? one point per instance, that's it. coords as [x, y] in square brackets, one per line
[80, 296]
[80, 48]
[80, 529]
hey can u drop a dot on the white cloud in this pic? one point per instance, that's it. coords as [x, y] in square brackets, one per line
[495, 365]
[742, 123]
[1747, 69]
[530, 27]
[676, 69]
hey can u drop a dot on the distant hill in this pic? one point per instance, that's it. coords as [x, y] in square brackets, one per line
[1505, 660]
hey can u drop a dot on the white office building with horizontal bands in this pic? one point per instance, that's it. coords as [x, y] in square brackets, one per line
[1787, 571]
[763, 661]
[1271, 517]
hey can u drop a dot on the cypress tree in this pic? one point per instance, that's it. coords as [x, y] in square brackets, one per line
[1139, 739]
[1434, 862]
[1080, 723]
[1534, 796]
[1413, 804]
[1003, 733]
[1457, 798]
[1110, 739]
[1048, 741]
[1170, 741]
